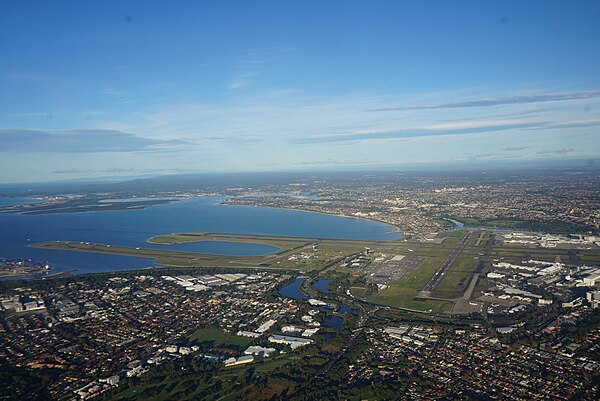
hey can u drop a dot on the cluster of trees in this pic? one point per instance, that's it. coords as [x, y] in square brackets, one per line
[20, 383]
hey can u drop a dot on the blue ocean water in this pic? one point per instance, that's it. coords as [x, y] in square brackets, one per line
[133, 227]
[13, 201]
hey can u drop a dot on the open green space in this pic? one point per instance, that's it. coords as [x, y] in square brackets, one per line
[219, 338]
[464, 263]
[402, 292]
[162, 257]
[293, 253]
[317, 253]
[452, 281]
[456, 279]
[179, 385]
[359, 292]
[595, 259]
[454, 237]
[555, 226]
[278, 242]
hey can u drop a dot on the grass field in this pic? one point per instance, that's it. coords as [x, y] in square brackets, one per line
[298, 253]
[528, 225]
[464, 263]
[358, 292]
[219, 338]
[454, 237]
[326, 250]
[278, 242]
[162, 257]
[402, 292]
[591, 258]
[452, 281]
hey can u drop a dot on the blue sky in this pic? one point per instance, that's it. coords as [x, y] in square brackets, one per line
[111, 88]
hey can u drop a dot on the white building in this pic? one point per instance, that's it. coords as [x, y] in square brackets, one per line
[259, 351]
[112, 380]
[291, 329]
[293, 342]
[239, 361]
[592, 279]
[593, 298]
[310, 332]
[250, 334]
[574, 303]
[266, 326]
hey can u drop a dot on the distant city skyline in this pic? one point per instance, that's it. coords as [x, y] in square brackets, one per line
[132, 87]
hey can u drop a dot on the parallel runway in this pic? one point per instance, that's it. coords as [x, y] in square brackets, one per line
[437, 277]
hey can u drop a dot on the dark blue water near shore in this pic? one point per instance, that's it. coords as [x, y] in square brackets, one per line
[133, 227]
[322, 285]
[12, 201]
[292, 290]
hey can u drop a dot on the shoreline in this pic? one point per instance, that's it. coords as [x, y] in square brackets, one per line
[391, 229]
[396, 228]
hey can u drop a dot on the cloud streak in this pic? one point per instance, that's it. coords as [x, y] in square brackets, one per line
[499, 101]
[77, 141]
[562, 151]
[414, 133]
[568, 124]
[72, 171]
[514, 148]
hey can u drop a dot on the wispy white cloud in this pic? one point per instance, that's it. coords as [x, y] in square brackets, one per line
[499, 101]
[567, 124]
[514, 148]
[297, 118]
[295, 129]
[254, 64]
[411, 133]
[72, 171]
[247, 72]
[77, 141]
[474, 124]
[119, 96]
[561, 151]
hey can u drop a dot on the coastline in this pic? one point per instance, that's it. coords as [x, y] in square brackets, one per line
[396, 228]
[389, 233]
